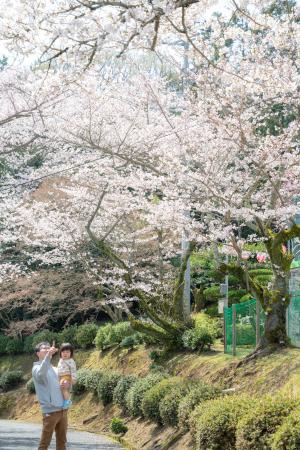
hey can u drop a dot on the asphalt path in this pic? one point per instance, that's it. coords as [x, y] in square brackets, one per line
[25, 436]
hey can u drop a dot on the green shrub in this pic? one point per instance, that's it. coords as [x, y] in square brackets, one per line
[212, 311]
[68, 334]
[135, 395]
[117, 426]
[198, 338]
[154, 355]
[85, 335]
[168, 406]
[28, 344]
[246, 298]
[235, 295]
[90, 380]
[214, 422]
[3, 343]
[198, 393]
[106, 386]
[202, 335]
[10, 379]
[256, 426]
[80, 386]
[14, 346]
[212, 293]
[287, 436]
[30, 386]
[130, 341]
[120, 391]
[153, 397]
[44, 336]
[110, 335]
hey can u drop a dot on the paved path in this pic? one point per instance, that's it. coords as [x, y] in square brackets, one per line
[25, 436]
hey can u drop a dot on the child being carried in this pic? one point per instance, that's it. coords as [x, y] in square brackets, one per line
[66, 372]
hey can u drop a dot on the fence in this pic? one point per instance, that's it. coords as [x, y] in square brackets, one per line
[293, 320]
[244, 324]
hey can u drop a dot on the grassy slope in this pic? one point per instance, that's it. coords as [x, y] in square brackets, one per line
[280, 371]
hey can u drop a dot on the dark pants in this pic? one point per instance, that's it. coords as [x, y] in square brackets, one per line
[58, 422]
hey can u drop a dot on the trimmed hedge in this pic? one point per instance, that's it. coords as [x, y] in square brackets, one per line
[106, 386]
[136, 393]
[198, 394]
[80, 385]
[261, 421]
[214, 422]
[30, 386]
[121, 389]
[287, 436]
[153, 397]
[168, 406]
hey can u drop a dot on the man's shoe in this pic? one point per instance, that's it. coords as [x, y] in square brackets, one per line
[67, 404]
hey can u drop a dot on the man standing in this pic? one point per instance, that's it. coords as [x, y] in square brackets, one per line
[49, 395]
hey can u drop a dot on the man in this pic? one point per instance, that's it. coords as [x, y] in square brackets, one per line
[50, 397]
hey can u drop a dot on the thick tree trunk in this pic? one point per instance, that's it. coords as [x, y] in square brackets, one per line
[276, 302]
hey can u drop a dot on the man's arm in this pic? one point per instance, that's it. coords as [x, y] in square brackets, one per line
[40, 372]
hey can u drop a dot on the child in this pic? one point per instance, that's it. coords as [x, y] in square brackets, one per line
[67, 372]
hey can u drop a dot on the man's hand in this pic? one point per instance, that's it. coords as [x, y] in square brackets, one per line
[64, 384]
[52, 350]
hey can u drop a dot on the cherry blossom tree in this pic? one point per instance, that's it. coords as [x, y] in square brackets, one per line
[144, 154]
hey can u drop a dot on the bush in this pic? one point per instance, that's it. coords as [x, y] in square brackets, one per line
[212, 293]
[212, 311]
[120, 391]
[202, 335]
[110, 335]
[235, 295]
[168, 406]
[117, 426]
[214, 422]
[130, 341]
[30, 386]
[256, 426]
[10, 379]
[92, 380]
[287, 436]
[106, 386]
[136, 393]
[28, 344]
[153, 397]
[14, 347]
[198, 393]
[44, 336]
[85, 335]
[80, 386]
[3, 343]
[68, 334]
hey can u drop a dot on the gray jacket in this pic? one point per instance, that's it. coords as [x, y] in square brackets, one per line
[47, 386]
